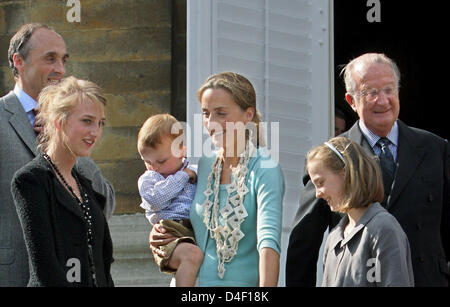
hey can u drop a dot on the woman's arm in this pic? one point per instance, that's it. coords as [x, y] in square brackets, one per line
[270, 192]
[269, 267]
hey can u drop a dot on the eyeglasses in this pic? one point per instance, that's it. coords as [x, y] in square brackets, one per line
[372, 94]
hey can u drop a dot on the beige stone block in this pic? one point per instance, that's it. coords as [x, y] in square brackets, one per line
[15, 15]
[128, 204]
[148, 13]
[133, 109]
[124, 175]
[125, 77]
[94, 14]
[6, 80]
[4, 46]
[52, 13]
[140, 44]
[117, 144]
[2, 20]
[105, 168]
[119, 14]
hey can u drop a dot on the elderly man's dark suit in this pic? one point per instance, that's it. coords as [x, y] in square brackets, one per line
[419, 200]
[17, 148]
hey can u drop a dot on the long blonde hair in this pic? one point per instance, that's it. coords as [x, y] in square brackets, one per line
[56, 101]
[363, 183]
[243, 94]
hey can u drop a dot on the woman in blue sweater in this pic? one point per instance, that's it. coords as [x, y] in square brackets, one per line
[237, 210]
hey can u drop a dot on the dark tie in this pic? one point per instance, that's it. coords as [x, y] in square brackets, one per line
[387, 164]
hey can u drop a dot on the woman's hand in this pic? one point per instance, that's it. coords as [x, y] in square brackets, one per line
[192, 175]
[157, 237]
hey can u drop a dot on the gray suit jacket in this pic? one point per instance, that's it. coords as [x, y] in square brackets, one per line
[374, 254]
[17, 148]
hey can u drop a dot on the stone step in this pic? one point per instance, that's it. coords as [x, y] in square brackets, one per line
[134, 265]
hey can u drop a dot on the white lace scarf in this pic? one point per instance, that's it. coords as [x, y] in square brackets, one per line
[227, 234]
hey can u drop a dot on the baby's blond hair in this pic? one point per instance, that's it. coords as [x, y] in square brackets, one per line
[156, 128]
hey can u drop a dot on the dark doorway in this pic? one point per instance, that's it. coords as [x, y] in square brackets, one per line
[413, 34]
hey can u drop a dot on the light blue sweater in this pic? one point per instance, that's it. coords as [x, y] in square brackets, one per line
[262, 226]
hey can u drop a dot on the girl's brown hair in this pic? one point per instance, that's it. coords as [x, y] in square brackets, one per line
[363, 183]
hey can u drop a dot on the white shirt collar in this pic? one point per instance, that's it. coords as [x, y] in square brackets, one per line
[26, 101]
[372, 138]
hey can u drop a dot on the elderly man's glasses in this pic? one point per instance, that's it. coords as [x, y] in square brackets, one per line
[372, 94]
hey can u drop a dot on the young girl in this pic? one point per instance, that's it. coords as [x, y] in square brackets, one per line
[65, 231]
[368, 247]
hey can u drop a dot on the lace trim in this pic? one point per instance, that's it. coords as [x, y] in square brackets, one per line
[228, 233]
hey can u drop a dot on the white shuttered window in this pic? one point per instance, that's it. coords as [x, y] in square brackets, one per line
[284, 48]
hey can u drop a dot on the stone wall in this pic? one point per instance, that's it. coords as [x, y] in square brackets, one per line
[136, 51]
[132, 50]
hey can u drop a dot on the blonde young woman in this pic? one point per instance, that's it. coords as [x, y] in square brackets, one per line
[65, 230]
[237, 209]
[368, 247]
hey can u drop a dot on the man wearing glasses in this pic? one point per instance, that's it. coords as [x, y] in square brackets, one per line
[416, 176]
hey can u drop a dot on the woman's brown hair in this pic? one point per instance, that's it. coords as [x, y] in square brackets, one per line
[243, 94]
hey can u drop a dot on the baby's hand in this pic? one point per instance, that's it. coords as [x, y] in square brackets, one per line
[148, 166]
[192, 175]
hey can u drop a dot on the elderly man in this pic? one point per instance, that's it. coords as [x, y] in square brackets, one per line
[37, 56]
[416, 176]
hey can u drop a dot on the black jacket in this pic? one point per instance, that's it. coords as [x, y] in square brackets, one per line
[55, 230]
[419, 200]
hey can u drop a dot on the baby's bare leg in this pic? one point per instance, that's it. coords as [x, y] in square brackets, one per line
[186, 259]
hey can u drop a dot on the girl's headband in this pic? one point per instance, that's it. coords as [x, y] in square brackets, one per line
[335, 151]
